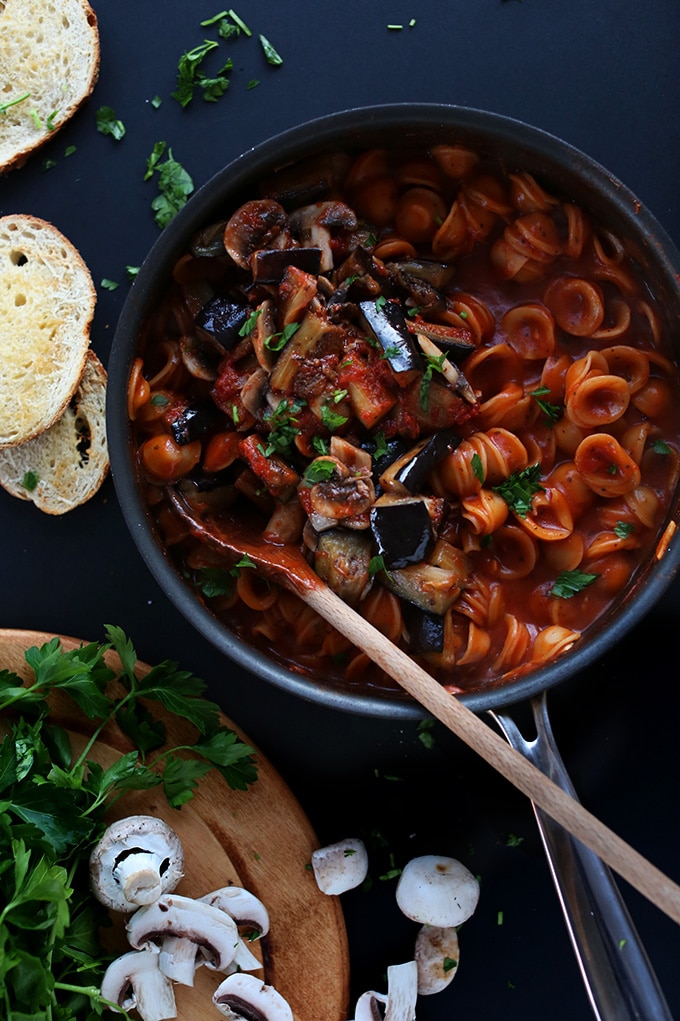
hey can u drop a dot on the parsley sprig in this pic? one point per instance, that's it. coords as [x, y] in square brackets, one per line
[519, 488]
[53, 804]
[570, 583]
[174, 184]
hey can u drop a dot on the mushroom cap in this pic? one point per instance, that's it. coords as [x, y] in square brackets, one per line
[341, 866]
[436, 890]
[437, 956]
[136, 860]
[244, 907]
[245, 996]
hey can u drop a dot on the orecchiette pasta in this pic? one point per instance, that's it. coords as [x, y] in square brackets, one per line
[443, 381]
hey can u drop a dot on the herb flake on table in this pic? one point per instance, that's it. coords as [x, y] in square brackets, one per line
[109, 124]
[174, 184]
[270, 53]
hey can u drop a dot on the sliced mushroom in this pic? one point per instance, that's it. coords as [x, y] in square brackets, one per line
[180, 956]
[437, 957]
[246, 998]
[244, 907]
[135, 982]
[400, 1002]
[260, 223]
[452, 374]
[136, 860]
[312, 226]
[212, 931]
[340, 867]
[436, 890]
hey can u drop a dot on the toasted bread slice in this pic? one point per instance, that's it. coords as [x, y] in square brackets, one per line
[47, 302]
[66, 464]
[49, 62]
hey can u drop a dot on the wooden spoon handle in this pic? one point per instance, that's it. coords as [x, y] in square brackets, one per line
[565, 810]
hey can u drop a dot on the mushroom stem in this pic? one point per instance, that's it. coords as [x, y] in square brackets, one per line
[139, 876]
[134, 981]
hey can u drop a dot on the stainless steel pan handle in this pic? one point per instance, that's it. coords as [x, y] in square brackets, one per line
[618, 976]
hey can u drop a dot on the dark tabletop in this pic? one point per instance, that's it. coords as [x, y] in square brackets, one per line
[604, 77]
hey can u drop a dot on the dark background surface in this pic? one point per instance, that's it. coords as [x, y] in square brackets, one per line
[605, 78]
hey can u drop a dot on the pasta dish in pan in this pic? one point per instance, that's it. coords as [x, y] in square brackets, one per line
[449, 385]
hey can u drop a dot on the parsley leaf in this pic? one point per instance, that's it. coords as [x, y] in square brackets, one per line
[331, 419]
[4, 107]
[174, 184]
[109, 124]
[277, 341]
[318, 471]
[553, 412]
[270, 53]
[282, 423]
[30, 480]
[622, 529]
[434, 364]
[569, 583]
[519, 488]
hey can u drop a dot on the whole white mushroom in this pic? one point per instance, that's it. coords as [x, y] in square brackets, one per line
[436, 890]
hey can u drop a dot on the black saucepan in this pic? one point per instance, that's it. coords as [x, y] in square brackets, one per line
[565, 170]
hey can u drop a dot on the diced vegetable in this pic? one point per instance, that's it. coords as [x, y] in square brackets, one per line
[342, 559]
[223, 317]
[402, 530]
[387, 323]
[409, 472]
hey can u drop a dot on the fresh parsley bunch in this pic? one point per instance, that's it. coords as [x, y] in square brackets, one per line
[53, 805]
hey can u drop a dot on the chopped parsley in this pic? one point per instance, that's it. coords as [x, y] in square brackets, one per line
[51, 121]
[191, 77]
[448, 964]
[477, 467]
[283, 428]
[570, 583]
[381, 447]
[519, 488]
[109, 124]
[659, 447]
[270, 53]
[622, 529]
[30, 481]
[156, 102]
[552, 412]
[320, 444]
[318, 471]
[131, 272]
[425, 735]
[277, 341]
[376, 565]
[109, 285]
[434, 364]
[380, 302]
[70, 149]
[174, 184]
[331, 419]
[250, 323]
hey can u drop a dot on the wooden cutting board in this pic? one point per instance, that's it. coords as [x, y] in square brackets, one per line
[259, 839]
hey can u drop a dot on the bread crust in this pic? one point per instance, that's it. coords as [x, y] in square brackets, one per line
[47, 302]
[45, 47]
[69, 462]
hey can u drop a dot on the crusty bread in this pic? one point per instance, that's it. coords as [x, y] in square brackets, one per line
[47, 302]
[50, 50]
[68, 462]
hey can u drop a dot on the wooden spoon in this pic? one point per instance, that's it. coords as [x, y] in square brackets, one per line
[287, 566]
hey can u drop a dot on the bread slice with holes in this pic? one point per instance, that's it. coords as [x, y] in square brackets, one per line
[49, 62]
[47, 301]
[66, 464]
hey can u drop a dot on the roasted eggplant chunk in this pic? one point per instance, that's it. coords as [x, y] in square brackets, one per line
[342, 559]
[269, 265]
[407, 475]
[387, 323]
[426, 630]
[223, 317]
[403, 531]
[192, 422]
